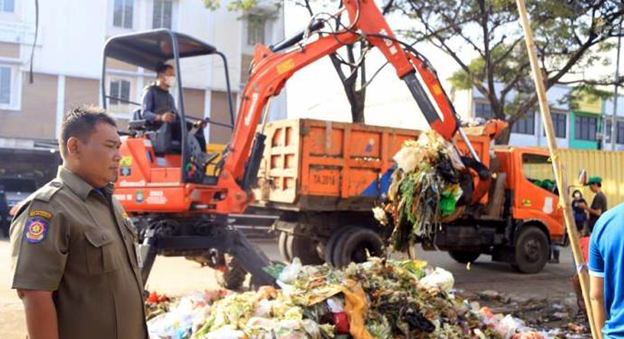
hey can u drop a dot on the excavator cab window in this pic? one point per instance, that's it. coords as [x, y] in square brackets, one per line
[538, 170]
[148, 50]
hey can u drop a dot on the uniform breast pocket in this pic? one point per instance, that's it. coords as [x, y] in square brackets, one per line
[101, 256]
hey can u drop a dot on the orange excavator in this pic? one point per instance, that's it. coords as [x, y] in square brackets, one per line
[181, 208]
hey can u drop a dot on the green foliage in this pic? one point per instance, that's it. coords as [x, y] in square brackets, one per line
[244, 5]
[571, 37]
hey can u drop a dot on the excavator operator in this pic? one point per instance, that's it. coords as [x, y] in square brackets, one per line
[158, 105]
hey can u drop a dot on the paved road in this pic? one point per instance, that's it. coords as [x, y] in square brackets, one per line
[177, 276]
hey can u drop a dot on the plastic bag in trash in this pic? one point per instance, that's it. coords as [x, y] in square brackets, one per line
[176, 324]
[439, 278]
[226, 332]
[291, 272]
[407, 159]
[508, 326]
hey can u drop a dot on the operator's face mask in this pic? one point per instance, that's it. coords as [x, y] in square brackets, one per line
[577, 196]
[171, 81]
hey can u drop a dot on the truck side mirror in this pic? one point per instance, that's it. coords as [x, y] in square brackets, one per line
[582, 177]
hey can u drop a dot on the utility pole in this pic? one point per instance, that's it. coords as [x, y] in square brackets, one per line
[562, 185]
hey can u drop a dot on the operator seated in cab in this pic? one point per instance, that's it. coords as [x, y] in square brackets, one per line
[158, 105]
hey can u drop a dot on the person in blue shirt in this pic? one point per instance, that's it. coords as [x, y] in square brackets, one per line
[606, 270]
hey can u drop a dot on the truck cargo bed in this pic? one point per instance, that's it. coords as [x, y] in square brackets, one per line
[315, 165]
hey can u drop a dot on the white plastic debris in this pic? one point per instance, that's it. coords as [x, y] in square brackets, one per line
[439, 278]
[291, 272]
[226, 332]
[407, 159]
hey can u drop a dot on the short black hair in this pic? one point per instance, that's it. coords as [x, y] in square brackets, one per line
[80, 123]
[596, 183]
[162, 68]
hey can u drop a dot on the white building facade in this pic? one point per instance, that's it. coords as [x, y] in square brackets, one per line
[68, 62]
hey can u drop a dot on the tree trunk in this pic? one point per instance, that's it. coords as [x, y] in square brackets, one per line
[356, 97]
[357, 105]
[505, 136]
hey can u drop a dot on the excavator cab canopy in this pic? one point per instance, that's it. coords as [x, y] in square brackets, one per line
[149, 49]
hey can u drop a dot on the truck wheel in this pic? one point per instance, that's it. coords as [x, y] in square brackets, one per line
[464, 257]
[531, 250]
[234, 276]
[304, 248]
[282, 243]
[331, 243]
[355, 245]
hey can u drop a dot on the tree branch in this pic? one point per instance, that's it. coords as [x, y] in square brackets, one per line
[509, 50]
[489, 67]
[514, 81]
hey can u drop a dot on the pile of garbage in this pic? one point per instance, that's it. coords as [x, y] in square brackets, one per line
[380, 298]
[424, 190]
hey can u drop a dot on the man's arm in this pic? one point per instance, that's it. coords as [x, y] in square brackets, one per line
[41, 317]
[147, 107]
[597, 212]
[596, 295]
[600, 203]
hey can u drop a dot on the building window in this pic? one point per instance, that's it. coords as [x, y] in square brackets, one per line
[560, 125]
[123, 13]
[585, 128]
[6, 81]
[119, 92]
[525, 125]
[10, 87]
[483, 110]
[619, 131]
[163, 14]
[7, 6]
[256, 27]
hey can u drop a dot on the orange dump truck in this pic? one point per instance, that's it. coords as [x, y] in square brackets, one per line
[325, 177]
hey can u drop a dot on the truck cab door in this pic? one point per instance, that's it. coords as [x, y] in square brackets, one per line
[536, 196]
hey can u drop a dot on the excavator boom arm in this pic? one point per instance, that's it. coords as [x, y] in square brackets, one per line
[270, 71]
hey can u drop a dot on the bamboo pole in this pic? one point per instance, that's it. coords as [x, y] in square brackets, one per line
[564, 198]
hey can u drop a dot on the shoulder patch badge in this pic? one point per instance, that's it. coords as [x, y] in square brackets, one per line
[36, 230]
[42, 214]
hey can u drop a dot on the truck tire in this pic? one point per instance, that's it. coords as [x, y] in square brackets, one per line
[303, 248]
[464, 257]
[532, 250]
[331, 243]
[355, 245]
[282, 243]
[234, 276]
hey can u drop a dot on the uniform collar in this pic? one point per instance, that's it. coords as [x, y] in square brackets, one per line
[80, 187]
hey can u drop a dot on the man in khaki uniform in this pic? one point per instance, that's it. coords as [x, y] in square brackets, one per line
[74, 261]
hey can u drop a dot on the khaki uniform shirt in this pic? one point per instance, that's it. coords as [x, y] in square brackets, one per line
[77, 241]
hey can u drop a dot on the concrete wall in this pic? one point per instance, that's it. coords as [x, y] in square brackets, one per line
[219, 112]
[80, 91]
[194, 102]
[37, 116]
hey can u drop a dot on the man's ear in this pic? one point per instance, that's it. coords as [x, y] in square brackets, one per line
[74, 146]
